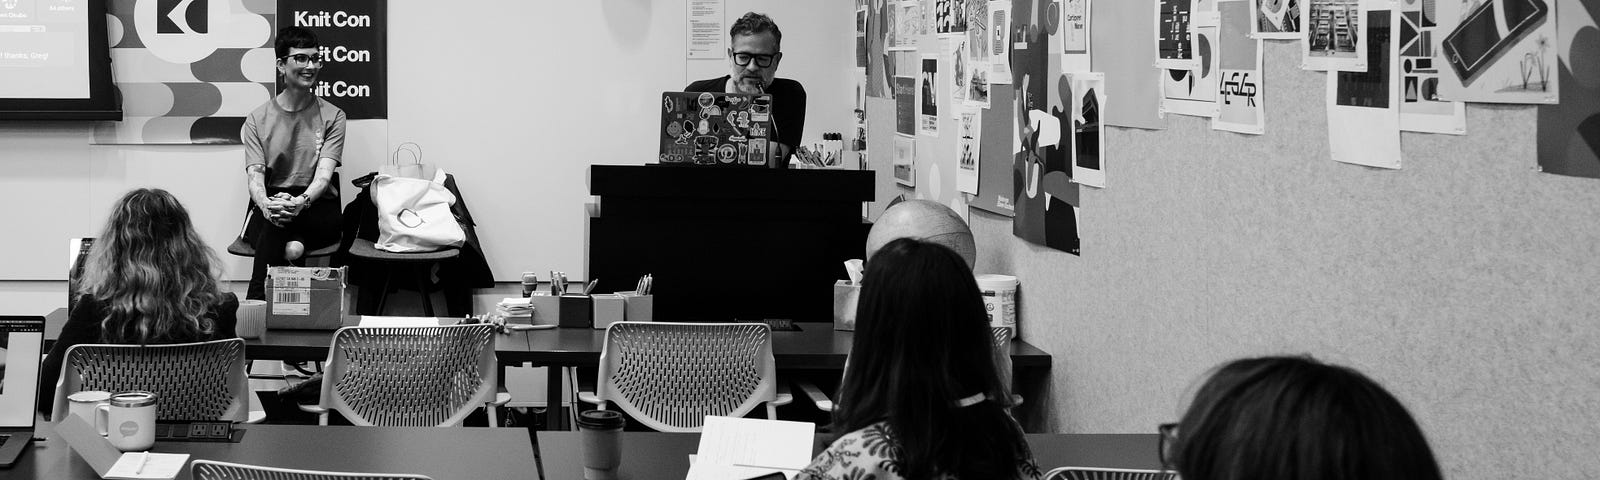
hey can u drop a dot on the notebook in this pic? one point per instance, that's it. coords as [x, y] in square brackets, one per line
[21, 343]
[706, 128]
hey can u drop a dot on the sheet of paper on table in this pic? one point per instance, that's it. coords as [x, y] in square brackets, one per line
[747, 447]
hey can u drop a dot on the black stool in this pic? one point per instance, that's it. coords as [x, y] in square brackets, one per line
[420, 263]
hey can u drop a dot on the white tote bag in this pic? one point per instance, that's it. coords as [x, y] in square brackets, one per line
[414, 214]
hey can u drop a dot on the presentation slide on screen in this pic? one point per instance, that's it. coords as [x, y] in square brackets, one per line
[42, 49]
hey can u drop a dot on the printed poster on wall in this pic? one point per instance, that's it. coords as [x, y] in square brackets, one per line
[1363, 107]
[1089, 141]
[950, 16]
[1174, 37]
[188, 78]
[996, 193]
[1421, 108]
[1075, 35]
[955, 49]
[1241, 109]
[905, 105]
[1124, 48]
[909, 25]
[969, 131]
[979, 55]
[1000, 43]
[1194, 91]
[1046, 199]
[1275, 19]
[1334, 34]
[928, 97]
[905, 160]
[861, 34]
[705, 30]
[1501, 51]
[1569, 132]
[352, 32]
[880, 68]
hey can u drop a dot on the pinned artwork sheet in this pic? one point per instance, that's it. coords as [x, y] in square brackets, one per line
[1000, 48]
[747, 447]
[1501, 51]
[1364, 107]
[969, 131]
[1275, 19]
[1422, 109]
[1241, 109]
[1334, 32]
[1194, 91]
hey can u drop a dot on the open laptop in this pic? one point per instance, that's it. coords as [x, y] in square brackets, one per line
[709, 128]
[21, 343]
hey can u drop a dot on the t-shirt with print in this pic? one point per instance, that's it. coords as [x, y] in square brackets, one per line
[870, 453]
[289, 143]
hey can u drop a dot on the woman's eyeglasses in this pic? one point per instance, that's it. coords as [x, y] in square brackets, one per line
[1169, 438]
[763, 61]
[303, 59]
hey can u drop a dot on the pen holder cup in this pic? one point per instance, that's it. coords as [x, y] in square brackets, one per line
[638, 308]
[609, 308]
[845, 296]
[546, 309]
[577, 311]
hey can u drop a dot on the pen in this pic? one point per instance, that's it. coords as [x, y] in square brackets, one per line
[144, 458]
[590, 286]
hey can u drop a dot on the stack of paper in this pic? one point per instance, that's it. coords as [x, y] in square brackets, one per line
[515, 308]
[747, 448]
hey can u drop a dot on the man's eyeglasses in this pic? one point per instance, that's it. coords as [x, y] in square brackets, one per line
[303, 59]
[763, 61]
[1169, 439]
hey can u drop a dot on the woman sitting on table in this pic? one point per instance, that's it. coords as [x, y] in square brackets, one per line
[1294, 418]
[922, 397]
[149, 280]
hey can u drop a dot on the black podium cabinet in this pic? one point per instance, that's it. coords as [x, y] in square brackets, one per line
[728, 244]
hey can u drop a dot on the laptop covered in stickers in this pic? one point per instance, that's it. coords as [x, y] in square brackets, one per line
[723, 129]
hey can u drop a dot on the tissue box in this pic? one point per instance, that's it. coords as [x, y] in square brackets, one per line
[609, 308]
[307, 298]
[845, 296]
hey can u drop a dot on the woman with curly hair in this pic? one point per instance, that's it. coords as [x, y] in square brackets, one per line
[922, 396]
[149, 280]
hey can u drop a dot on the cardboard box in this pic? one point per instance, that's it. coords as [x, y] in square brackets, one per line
[845, 296]
[307, 298]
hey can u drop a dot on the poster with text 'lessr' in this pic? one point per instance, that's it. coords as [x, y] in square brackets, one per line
[1240, 107]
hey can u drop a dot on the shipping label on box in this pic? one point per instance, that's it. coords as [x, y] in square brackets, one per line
[306, 297]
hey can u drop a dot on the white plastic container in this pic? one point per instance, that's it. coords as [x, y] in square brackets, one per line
[1000, 300]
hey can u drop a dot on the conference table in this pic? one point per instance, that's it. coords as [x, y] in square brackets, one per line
[808, 347]
[649, 455]
[438, 452]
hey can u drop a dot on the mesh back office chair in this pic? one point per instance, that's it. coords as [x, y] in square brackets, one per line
[211, 470]
[670, 376]
[194, 381]
[1089, 473]
[410, 376]
[1002, 343]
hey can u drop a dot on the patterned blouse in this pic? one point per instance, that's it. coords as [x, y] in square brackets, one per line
[870, 454]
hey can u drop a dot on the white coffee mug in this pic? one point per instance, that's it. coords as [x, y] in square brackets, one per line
[252, 315]
[84, 403]
[129, 420]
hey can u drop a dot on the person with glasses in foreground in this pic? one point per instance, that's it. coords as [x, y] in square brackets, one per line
[753, 63]
[922, 397]
[292, 144]
[1295, 418]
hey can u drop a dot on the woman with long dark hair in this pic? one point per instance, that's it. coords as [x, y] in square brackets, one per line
[922, 396]
[149, 280]
[1295, 418]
